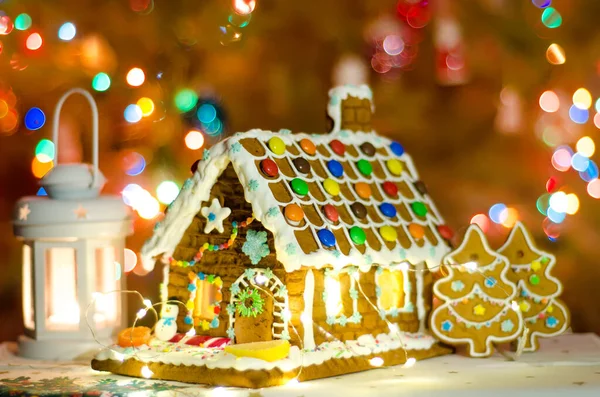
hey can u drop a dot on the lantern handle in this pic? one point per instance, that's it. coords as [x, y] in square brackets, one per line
[56, 122]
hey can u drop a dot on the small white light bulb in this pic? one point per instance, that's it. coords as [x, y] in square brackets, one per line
[191, 332]
[515, 306]
[147, 303]
[376, 361]
[410, 362]
[146, 372]
[141, 313]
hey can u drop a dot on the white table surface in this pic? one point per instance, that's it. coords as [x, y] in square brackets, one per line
[565, 366]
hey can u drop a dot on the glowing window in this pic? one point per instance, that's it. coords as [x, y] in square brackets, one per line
[207, 298]
[107, 305]
[333, 299]
[28, 308]
[391, 284]
[62, 308]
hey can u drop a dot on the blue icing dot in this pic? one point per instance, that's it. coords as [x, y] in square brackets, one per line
[326, 237]
[397, 148]
[201, 276]
[188, 320]
[214, 323]
[335, 168]
[388, 210]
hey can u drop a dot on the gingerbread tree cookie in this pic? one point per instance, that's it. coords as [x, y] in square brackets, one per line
[545, 315]
[477, 297]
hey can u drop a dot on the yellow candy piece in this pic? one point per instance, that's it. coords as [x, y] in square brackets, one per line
[536, 265]
[524, 306]
[277, 145]
[479, 310]
[388, 233]
[550, 309]
[272, 350]
[205, 325]
[394, 166]
[190, 305]
[331, 187]
[218, 282]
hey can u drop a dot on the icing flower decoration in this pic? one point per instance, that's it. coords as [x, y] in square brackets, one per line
[252, 185]
[447, 326]
[343, 320]
[273, 211]
[457, 286]
[282, 292]
[490, 282]
[256, 246]
[250, 303]
[188, 183]
[507, 326]
[215, 215]
[290, 249]
[206, 155]
[356, 317]
[235, 147]
[268, 273]
[551, 322]
[231, 333]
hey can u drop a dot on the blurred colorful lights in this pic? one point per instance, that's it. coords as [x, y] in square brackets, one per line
[40, 169]
[244, 7]
[130, 260]
[194, 140]
[34, 119]
[561, 159]
[577, 115]
[167, 191]
[549, 101]
[22, 22]
[34, 42]
[482, 221]
[6, 25]
[551, 18]
[555, 54]
[590, 173]
[559, 202]
[136, 77]
[185, 100]
[44, 151]
[134, 163]
[140, 200]
[593, 188]
[133, 113]
[582, 98]
[510, 216]
[542, 203]
[393, 44]
[579, 162]
[206, 113]
[101, 82]
[146, 105]
[67, 31]
[597, 120]
[541, 3]
[572, 203]
[585, 146]
[498, 213]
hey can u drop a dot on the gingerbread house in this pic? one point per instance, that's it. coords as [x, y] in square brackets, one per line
[324, 240]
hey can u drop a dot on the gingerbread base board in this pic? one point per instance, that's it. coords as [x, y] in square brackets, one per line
[256, 379]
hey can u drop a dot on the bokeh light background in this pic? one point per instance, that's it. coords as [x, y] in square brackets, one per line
[498, 102]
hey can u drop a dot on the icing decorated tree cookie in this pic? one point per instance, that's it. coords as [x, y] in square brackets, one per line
[544, 314]
[477, 296]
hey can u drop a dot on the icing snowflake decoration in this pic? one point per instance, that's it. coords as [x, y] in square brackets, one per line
[507, 326]
[215, 215]
[256, 246]
[457, 286]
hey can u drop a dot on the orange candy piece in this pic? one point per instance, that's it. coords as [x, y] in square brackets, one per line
[308, 146]
[134, 336]
[416, 230]
[294, 212]
[363, 190]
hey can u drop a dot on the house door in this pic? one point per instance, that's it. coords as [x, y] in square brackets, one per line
[271, 320]
[255, 329]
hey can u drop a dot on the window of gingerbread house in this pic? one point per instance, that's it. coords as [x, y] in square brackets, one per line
[341, 296]
[206, 300]
[393, 290]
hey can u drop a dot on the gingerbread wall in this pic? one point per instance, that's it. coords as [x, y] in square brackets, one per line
[229, 264]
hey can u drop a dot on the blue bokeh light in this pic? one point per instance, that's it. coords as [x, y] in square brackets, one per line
[35, 119]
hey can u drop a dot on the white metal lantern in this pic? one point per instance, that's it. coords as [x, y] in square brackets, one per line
[73, 243]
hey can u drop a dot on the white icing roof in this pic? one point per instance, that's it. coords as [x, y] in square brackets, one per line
[197, 190]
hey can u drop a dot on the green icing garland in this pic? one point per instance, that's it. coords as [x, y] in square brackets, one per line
[257, 306]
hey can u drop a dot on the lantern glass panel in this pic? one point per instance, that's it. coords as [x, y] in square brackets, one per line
[62, 307]
[107, 302]
[28, 307]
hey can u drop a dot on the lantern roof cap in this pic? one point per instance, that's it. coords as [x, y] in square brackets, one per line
[73, 182]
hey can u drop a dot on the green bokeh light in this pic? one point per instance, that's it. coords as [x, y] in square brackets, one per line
[551, 18]
[22, 22]
[44, 151]
[101, 82]
[185, 100]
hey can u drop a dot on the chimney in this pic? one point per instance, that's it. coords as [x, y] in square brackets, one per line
[351, 108]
